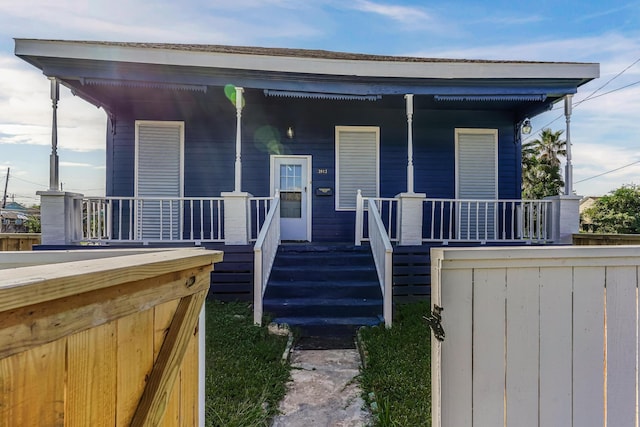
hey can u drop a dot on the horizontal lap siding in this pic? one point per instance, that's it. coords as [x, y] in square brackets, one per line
[210, 147]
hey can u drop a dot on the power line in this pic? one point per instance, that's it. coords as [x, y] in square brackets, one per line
[607, 172]
[602, 94]
[609, 81]
[591, 96]
[29, 182]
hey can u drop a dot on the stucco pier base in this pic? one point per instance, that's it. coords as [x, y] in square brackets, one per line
[61, 217]
[410, 218]
[565, 218]
[237, 223]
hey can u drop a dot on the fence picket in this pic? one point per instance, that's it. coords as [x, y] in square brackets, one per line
[456, 368]
[621, 315]
[489, 294]
[588, 346]
[523, 308]
[555, 346]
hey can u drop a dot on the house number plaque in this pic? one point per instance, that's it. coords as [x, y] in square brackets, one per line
[322, 171]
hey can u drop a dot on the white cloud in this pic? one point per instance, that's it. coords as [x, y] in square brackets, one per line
[76, 164]
[26, 113]
[601, 47]
[163, 21]
[402, 14]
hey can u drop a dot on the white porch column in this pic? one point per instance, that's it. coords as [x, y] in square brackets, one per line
[410, 218]
[237, 218]
[565, 218]
[60, 217]
[568, 173]
[54, 180]
[238, 164]
[409, 98]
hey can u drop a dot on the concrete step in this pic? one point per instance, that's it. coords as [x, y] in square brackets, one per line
[328, 308]
[328, 289]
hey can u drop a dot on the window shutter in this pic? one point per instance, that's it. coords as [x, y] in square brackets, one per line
[476, 166]
[357, 169]
[477, 180]
[159, 176]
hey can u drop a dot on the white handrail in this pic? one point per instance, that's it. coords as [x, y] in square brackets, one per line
[259, 209]
[264, 254]
[382, 255]
[389, 213]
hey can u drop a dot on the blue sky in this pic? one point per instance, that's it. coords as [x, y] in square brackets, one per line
[605, 129]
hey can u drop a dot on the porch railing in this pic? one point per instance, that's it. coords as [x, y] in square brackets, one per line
[151, 219]
[382, 254]
[264, 253]
[259, 209]
[464, 220]
[387, 210]
[468, 220]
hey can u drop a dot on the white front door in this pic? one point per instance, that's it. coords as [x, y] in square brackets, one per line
[291, 176]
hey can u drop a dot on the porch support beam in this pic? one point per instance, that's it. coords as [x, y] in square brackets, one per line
[54, 180]
[409, 99]
[568, 173]
[238, 164]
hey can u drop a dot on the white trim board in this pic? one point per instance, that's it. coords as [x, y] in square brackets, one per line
[426, 68]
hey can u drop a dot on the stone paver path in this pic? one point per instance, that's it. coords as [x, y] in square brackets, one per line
[324, 391]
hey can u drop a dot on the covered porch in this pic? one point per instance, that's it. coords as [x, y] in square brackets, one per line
[390, 152]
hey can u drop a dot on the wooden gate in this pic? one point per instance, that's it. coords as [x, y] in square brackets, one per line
[102, 337]
[536, 337]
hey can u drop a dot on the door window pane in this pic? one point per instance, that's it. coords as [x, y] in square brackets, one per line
[290, 177]
[291, 191]
[290, 204]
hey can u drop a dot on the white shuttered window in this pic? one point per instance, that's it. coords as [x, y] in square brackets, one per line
[357, 164]
[159, 172]
[476, 179]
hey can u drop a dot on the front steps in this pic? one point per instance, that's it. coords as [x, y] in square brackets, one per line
[324, 290]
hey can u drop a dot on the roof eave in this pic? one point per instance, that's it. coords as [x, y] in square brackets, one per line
[30, 50]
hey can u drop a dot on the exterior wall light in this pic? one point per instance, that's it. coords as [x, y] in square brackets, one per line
[289, 132]
[526, 127]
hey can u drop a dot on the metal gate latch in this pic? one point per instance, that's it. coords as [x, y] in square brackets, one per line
[434, 321]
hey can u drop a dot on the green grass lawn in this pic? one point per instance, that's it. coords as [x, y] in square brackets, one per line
[245, 378]
[398, 368]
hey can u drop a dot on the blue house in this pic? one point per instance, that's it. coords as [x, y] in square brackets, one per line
[253, 148]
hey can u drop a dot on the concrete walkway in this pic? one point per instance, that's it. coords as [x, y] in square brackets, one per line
[324, 391]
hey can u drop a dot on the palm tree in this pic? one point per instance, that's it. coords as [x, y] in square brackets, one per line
[541, 175]
[551, 146]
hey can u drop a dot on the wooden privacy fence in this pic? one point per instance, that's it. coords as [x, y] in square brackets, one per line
[18, 241]
[102, 337]
[536, 337]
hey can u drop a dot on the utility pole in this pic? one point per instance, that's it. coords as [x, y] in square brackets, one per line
[6, 184]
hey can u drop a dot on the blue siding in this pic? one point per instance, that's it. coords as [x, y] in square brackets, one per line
[210, 146]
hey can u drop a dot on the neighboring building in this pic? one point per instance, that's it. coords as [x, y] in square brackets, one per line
[587, 202]
[13, 218]
[441, 137]
[12, 221]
